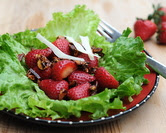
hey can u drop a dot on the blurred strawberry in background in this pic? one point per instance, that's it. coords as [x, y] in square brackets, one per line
[161, 37]
[144, 29]
[155, 23]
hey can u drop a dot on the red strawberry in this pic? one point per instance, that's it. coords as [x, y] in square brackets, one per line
[80, 77]
[62, 44]
[92, 63]
[53, 89]
[44, 74]
[78, 92]
[32, 56]
[163, 17]
[145, 29]
[105, 79]
[162, 34]
[63, 69]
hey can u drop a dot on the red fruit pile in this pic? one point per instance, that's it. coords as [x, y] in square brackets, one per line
[156, 22]
[67, 79]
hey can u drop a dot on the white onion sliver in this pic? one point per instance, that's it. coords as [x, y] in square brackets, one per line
[79, 47]
[56, 51]
[85, 43]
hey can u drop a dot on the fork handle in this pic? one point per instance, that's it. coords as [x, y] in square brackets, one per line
[157, 66]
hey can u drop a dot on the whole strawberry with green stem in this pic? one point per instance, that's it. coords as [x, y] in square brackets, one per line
[159, 17]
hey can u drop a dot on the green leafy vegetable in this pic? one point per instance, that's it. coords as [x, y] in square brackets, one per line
[123, 59]
[28, 39]
[126, 59]
[75, 23]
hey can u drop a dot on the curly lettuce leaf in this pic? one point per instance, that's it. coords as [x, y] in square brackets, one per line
[125, 59]
[79, 21]
[28, 40]
[98, 105]
[128, 88]
[14, 84]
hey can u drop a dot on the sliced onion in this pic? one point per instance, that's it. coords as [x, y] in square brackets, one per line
[78, 46]
[56, 51]
[86, 45]
[82, 48]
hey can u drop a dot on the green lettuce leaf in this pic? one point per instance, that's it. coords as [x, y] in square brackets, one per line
[123, 59]
[128, 88]
[28, 40]
[75, 23]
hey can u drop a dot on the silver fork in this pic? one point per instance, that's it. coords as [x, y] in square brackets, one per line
[111, 34]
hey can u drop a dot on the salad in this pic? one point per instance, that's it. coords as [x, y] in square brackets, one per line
[24, 88]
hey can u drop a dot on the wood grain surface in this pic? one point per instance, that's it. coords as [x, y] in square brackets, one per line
[18, 15]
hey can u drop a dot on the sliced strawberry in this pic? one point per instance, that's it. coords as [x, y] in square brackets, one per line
[32, 56]
[44, 74]
[105, 79]
[54, 89]
[80, 77]
[92, 63]
[62, 44]
[63, 69]
[78, 92]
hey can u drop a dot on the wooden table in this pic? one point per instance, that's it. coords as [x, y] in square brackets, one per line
[18, 15]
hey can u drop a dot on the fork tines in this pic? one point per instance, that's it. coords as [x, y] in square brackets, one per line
[109, 32]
